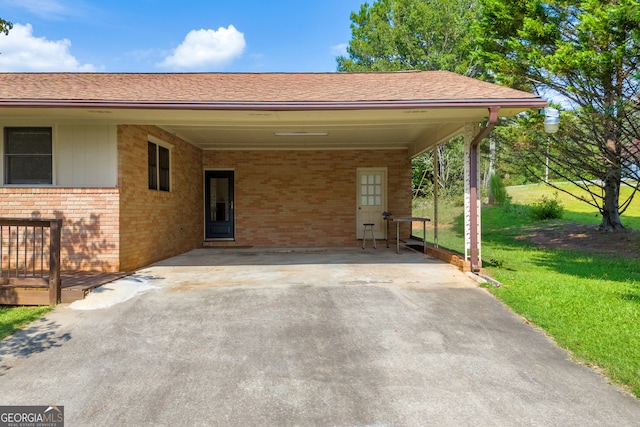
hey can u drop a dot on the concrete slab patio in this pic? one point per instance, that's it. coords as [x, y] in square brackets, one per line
[323, 336]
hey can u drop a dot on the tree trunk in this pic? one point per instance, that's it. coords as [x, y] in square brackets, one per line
[610, 215]
[613, 158]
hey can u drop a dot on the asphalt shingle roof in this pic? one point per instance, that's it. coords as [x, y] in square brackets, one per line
[251, 87]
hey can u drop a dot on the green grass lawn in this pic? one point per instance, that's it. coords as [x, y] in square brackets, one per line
[576, 210]
[14, 318]
[589, 303]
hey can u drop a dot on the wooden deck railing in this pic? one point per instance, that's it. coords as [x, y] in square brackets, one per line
[29, 259]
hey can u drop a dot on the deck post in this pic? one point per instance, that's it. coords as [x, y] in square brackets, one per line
[55, 294]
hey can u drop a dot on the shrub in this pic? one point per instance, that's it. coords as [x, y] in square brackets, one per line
[547, 208]
[498, 189]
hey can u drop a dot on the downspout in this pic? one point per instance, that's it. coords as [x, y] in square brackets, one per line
[473, 171]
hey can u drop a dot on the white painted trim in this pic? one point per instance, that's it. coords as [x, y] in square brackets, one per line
[160, 142]
[471, 130]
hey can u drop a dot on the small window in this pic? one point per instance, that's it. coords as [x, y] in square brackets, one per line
[153, 166]
[159, 167]
[28, 156]
[163, 172]
[371, 190]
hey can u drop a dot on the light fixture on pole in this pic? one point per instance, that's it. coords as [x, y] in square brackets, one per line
[551, 120]
[551, 125]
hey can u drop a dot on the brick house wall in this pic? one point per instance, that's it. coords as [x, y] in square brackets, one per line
[306, 198]
[120, 229]
[282, 198]
[155, 225]
[90, 225]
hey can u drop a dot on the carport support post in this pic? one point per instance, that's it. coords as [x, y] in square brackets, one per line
[472, 205]
[436, 183]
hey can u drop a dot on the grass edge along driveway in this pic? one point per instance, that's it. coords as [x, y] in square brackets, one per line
[589, 303]
[14, 318]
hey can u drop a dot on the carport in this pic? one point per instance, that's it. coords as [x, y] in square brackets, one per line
[413, 111]
[279, 159]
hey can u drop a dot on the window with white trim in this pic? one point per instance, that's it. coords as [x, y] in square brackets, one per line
[28, 155]
[159, 161]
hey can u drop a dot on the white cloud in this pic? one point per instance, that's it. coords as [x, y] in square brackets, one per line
[207, 49]
[339, 49]
[21, 51]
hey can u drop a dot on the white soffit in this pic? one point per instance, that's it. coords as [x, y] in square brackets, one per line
[416, 129]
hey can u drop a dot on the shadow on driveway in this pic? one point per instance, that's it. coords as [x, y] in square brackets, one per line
[40, 336]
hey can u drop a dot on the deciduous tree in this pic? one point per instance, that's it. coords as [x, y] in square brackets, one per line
[394, 35]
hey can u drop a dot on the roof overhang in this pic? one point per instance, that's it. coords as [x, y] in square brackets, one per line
[411, 110]
[416, 126]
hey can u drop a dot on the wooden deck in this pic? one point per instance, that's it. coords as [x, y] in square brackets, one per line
[75, 286]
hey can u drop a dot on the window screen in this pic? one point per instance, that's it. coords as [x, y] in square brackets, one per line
[28, 155]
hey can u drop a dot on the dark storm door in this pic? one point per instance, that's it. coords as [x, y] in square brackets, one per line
[219, 212]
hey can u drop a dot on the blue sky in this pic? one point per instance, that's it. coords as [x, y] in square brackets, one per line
[174, 36]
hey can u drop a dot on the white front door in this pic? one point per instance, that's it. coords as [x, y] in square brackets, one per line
[372, 200]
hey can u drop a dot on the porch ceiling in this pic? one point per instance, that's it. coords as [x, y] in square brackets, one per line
[415, 129]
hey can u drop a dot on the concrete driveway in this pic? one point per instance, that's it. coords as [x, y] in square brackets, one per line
[336, 337]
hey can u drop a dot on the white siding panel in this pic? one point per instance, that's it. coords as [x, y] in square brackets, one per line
[86, 155]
